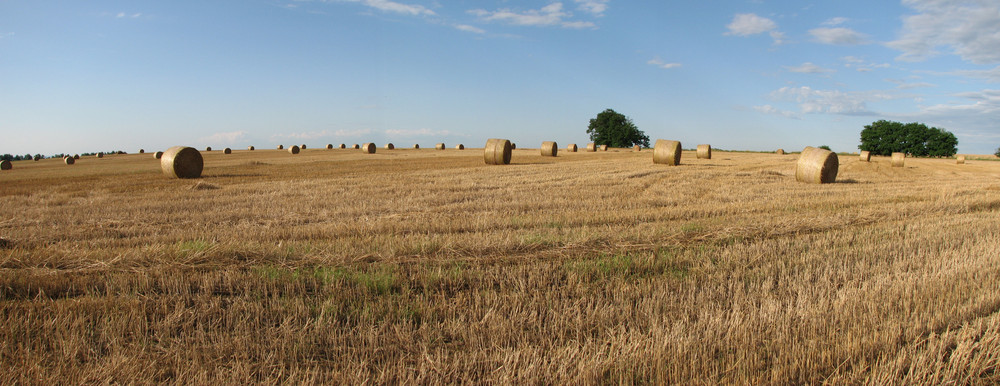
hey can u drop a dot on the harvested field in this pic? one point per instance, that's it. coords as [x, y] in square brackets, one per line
[345, 267]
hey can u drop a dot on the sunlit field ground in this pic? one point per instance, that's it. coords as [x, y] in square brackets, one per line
[430, 266]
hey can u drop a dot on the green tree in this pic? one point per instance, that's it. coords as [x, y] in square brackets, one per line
[886, 137]
[997, 153]
[615, 130]
[824, 147]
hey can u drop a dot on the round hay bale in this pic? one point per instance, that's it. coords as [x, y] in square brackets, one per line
[439, 146]
[69, 160]
[76, 156]
[817, 166]
[704, 152]
[460, 147]
[604, 147]
[281, 147]
[549, 149]
[389, 146]
[208, 148]
[142, 151]
[158, 155]
[416, 146]
[866, 156]
[250, 147]
[960, 160]
[100, 155]
[637, 148]
[780, 152]
[227, 151]
[368, 148]
[667, 152]
[591, 147]
[513, 146]
[303, 147]
[293, 149]
[329, 146]
[6, 165]
[897, 159]
[571, 148]
[356, 146]
[343, 146]
[497, 151]
[182, 162]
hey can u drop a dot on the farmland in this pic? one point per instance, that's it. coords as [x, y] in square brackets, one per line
[430, 266]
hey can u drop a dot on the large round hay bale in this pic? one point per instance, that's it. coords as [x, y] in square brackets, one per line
[6, 165]
[250, 147]
[343, 146]
[460, 147]
[303, 147]
[960, 159]
[356, 146]
[817, 166]
[604, 147]
[897, 159]
[227, 151]
[368, 148]
[549, 149]
[865, 156]
[571, 148]
[439, 146]
[281, 147]
[637, 148]
[293, 149]
[208, 148]
[158, 155]
[389, 146]
[69, 160]
[704, 152]
[591, 147]
[182, 162]
[329, 146]
[142, 151]
[667, 152]
[100, 155]
[416, 146]
[497, 151]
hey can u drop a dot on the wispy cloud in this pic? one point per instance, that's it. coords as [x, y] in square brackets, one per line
[224, 138]
[829, 101]
[352, 133]
[862, 65]
[123, 15]
[834, 21]
[595, 7]
[549, 15]
[469, 28]
[839, 36]
[904, 85]
[396, 7]
[991, 75]
[747, 24]
[808, 68]
[419, 133]
[661, 64]
[768, 109]
[6, 34]
[966, 28]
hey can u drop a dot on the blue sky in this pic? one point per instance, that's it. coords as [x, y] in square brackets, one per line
[78, 76]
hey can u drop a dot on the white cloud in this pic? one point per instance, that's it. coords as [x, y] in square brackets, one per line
[224, 138]
[746, 24]
[835, 21]
[395, 7]
[595, 7]
[659, 63]
[549, 15]
[469, 28]
[351, 133]
[967, 28]
[768, 109]
[829, 101]
[861, 65]
[123, 15]
[808, 68]
[992, 75]
[839, 36]
[904, 85]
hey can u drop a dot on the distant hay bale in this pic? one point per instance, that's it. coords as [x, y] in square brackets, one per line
[817, 166]
[571, 148]
[142, 151]
[37, 157]
[208, 148]
[439, 146]
[69, 160]
[897, 159]
[667, 152]
[591, 147]
[293, 149]
[460, 147]
[356, 146]
[549, 149]
[280, 147]
[368, 148]
[100, 155]
[158, 155]
[390, 146]
[182, 162]
[329, 146]
[636, 148]
[6, 165]
[497, 151]
[960, 160]
[303, 147]
[779, 152]
[416, 146]
[227, 151]
[865, 156]
[513, 146]
[76, 156]
[704, 152]
[604, 147]
[250, 147]
[343, 146]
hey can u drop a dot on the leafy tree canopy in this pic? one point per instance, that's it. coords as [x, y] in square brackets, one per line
[886, 137]
[615, 130]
